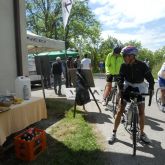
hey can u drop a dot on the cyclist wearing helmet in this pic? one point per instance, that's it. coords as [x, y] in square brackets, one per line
[131, 78]
[112, 66]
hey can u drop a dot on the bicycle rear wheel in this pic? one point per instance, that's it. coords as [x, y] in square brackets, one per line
[158, 97]
[134, 131]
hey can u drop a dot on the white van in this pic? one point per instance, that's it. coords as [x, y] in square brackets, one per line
[34, 78]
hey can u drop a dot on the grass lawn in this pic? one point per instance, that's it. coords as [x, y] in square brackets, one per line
[70, 141]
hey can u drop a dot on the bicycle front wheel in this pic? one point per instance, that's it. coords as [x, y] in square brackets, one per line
[134, 131]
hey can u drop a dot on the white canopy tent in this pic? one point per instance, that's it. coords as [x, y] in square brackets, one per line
[37, 44]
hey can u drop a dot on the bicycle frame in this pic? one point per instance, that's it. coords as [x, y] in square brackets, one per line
[134, 129]
[112, 97]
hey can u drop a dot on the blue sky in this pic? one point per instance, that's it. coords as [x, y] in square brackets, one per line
[140, 20]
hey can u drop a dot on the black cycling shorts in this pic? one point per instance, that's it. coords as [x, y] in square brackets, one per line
[110, 78]
[126, 95]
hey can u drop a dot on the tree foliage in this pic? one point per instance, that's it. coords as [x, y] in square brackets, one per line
[44, 17]
[134, 43]
[107, 46]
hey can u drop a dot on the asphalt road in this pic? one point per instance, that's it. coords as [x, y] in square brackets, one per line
[120, 153]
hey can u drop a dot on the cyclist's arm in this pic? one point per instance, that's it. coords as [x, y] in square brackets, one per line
[107, 64]
[121, 77]
[149, 77]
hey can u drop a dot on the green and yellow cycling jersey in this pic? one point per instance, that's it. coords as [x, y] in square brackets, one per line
[113, 63]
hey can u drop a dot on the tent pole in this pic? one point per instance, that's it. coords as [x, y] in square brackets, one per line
[40, 68]
[66, 67]
[42, 83]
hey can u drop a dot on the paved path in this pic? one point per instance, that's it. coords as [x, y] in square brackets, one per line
[120, 153]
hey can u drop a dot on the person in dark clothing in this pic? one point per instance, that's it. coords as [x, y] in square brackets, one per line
[131, 76]
[70, 66]
[57, 72]
[77, 62]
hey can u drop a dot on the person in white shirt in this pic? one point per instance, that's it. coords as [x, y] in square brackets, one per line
[86, 62]
[161, 81]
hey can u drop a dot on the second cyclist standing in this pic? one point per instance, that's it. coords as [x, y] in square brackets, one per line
[112, 66]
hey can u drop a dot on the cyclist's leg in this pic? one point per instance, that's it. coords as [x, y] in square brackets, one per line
[108, 86]
[143, 136]
[120, 111]
[163, 96]
[117, 97]
[107, 89]
[141, 107]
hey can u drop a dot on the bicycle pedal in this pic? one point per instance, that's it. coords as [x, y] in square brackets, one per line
[131, 129]
[123, 121]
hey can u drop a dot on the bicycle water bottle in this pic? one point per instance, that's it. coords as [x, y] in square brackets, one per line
[26, 95]
[129, 113]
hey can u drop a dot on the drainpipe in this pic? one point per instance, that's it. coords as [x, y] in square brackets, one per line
[18, 45]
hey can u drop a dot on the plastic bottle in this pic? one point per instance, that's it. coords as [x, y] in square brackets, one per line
[19, 84]
[129, 113]
[26, 94]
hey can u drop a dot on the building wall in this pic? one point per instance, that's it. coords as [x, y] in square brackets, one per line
[8, 66]
[8, 69]
[24, 38]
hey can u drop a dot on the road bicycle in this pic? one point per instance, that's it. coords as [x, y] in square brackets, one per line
[113, 97]
[131, 117]
[158, 97]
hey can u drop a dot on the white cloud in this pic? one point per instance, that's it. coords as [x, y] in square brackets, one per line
[150, 39]
[129, 13]
[120, 15]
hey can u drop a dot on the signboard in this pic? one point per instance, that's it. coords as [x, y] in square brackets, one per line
[85, 73]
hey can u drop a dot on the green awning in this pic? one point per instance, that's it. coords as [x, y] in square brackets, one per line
[43, 54]
[52, 55]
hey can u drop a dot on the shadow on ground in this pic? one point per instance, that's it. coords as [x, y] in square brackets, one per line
[52, 155]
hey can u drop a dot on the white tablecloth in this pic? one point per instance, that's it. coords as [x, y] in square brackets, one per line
[20, 116]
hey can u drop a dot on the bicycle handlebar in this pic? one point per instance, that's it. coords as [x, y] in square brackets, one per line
[136, 94]
[150, 97]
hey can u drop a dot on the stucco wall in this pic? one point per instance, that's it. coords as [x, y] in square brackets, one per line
[7, 47]
[8, 69]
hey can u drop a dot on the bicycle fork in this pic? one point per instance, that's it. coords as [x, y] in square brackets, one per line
[134, 126]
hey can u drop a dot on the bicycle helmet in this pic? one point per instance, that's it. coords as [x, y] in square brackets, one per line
[117, 50]
[129, 50]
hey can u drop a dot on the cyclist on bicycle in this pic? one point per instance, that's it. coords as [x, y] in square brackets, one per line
[131, 78]
[112, 66]
[161, 81]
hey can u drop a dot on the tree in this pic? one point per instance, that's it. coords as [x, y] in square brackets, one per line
[44, 17]
[107, 46]
[82, 32]
[135, 43]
